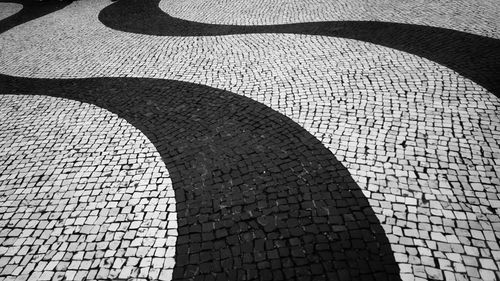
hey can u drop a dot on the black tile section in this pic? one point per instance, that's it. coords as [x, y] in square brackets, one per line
[258, 197]
[472, 56]
[31, 10]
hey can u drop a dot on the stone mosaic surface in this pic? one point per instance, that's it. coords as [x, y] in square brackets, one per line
[478, 18]
[419, 139]
[255, 192]
[84, 195]
[9, 9]
[17, 12]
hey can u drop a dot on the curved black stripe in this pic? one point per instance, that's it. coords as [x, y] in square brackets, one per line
[31, 10]
[472, 56]
[257, 195]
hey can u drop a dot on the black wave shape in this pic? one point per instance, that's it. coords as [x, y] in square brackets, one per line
[472, 56]
[258, 197]
[31, 10]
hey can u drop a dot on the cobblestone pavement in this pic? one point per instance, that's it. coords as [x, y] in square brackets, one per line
[461, 15]
[84, 194]
[254, 190]
[9, 9]
[420, 140]
[22, 11]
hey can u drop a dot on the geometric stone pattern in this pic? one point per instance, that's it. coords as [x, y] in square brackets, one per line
[84, 195]
[421, 141]
[477, 18]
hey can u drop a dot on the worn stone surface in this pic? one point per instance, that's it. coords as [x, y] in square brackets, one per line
[421, 141]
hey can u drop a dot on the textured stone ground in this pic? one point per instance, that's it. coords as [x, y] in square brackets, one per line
[420, 140]
[9, 9]
[80, 187]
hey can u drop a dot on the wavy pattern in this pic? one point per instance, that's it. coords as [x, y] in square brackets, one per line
[254, 190]
[9, 9]
[472, 56]
[74, 186]
[31, 10]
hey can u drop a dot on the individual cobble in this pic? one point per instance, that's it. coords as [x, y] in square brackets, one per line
[84, 195]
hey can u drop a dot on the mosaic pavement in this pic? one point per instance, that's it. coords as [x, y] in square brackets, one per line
[249, 140]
